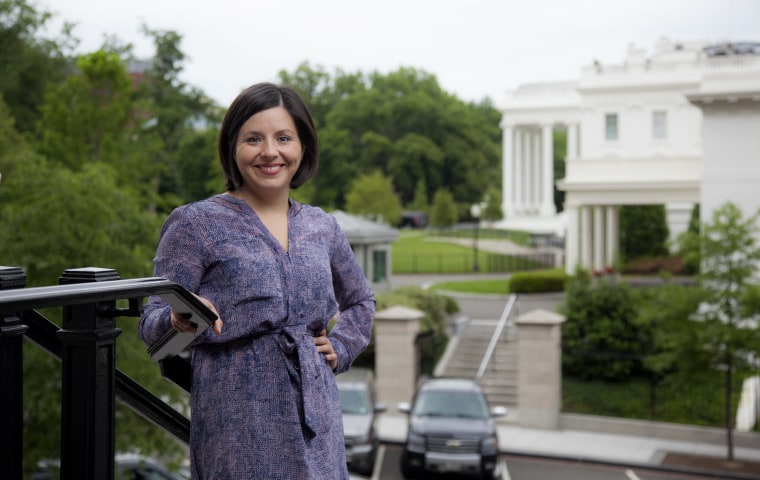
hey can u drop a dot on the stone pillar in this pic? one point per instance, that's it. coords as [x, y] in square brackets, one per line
[539, 382]
[396, 362]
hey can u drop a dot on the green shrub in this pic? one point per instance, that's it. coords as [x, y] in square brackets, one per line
[535, 282]
[600, 337]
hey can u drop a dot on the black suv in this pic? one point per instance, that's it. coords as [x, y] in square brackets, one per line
[357, 398]
[451, 430]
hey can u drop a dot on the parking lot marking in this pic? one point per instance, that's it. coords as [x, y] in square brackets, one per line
[504, 470]
[378, 463]
[631, 475]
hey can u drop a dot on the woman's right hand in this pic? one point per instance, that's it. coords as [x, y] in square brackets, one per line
[182, 324]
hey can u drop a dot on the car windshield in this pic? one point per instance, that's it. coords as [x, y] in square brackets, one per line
[451, 404]
[354, 401]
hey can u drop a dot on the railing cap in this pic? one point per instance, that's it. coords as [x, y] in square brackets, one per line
[12, 277]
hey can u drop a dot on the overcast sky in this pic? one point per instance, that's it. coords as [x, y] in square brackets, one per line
[475, 48]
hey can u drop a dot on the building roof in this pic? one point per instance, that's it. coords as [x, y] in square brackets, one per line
[361, 231]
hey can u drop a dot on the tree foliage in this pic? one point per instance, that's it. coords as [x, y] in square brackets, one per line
[600, 337]
[403, 124]
[372, 196]
[29, 62]
[492, 210]
[443, 213]
[729, 333]
[643, 231]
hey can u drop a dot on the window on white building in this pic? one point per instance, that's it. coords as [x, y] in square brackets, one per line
[611, 126]
[659, 124]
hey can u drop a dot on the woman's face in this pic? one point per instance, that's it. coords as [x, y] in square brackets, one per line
[268, 151]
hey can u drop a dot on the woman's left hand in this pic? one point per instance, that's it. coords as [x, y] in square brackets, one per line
[325, 348]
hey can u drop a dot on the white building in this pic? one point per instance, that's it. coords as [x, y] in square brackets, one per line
[676, 126]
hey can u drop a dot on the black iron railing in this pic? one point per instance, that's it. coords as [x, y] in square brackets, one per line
[85, 345]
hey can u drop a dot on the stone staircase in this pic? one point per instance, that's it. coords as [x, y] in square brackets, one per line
[500, 378]
[471, 340]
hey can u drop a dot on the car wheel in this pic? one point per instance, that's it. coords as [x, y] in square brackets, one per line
[407, 470]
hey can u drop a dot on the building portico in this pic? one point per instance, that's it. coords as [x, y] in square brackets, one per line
[528, 154]
[634, 137]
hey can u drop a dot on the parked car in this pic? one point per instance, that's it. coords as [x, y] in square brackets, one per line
[451, 430]
[127, 467]
[360, 408]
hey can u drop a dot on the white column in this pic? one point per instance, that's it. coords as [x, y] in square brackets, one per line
[527, 171]
[572, 141]
[598, 238]
[519, 180]
[536, 160]
[547, 208]
[585, 239]
[571, 240]
[613, 235]
[507, 175]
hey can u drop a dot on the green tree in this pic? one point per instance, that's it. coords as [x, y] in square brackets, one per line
[666, 313]
[729, 270]
[688, 243]
[420, 201]
[337, 169]
[172, 111]
[492, 211]
[643, 231]
[372, 195]
[444, 210]
[404, 124]
[198, 175]
[89, 213]
[415, 158]
[28, 62]
[87, 118]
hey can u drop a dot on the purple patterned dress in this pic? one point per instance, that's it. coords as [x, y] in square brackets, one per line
[264, 403]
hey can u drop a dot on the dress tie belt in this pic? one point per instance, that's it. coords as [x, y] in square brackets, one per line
[297, 346]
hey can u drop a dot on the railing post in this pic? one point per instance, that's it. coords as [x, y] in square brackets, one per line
[12, 380]
[88, 340]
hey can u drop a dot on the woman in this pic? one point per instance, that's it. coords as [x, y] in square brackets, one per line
[264, 401]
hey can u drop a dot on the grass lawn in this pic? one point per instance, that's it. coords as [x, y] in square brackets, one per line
[417, 251]
[486, 287]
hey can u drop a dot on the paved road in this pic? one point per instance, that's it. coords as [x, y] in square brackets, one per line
[529, 468]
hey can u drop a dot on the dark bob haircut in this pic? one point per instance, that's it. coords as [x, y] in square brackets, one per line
[257, 98]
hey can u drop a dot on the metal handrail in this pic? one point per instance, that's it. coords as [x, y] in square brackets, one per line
[496, 334]
[86, 344]
[135, 396]
[20, 299]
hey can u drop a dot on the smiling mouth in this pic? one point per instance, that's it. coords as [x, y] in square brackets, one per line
[271, 168]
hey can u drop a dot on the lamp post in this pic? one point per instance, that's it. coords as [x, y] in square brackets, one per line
[475, 212]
